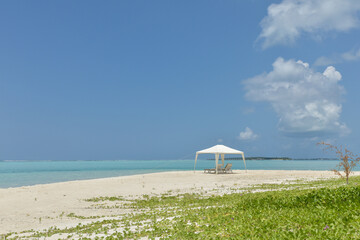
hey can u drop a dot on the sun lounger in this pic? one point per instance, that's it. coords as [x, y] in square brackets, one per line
[227, 169]
[211, 170]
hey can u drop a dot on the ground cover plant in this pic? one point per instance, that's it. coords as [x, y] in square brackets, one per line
[325, 209]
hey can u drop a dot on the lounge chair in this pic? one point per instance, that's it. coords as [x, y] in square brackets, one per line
[210, 170]
[227, 168]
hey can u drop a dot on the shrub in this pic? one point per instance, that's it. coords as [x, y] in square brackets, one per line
[348, 160]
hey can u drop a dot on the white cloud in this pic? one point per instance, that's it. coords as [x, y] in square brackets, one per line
[307, 102]
[324, 61]
[248, 110]
[220, 140]
[287, 20]
[248, 134]
[352, 55]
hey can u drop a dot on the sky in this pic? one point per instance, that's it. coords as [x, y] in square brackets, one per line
[138, 79]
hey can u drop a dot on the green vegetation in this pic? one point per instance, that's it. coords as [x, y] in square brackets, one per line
[101, 199]
[324, 209]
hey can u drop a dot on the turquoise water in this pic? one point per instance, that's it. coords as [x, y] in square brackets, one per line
[24, 173]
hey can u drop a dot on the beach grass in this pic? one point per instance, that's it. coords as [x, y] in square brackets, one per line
[323, 209]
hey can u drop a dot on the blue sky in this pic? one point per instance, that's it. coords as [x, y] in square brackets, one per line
[162, 79]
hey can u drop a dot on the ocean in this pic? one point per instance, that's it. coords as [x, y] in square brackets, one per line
[25, 173]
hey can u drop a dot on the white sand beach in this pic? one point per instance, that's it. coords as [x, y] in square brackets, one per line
[42, 206]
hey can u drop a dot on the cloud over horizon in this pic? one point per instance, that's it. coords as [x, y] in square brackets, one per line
[248, 134]
[288, 20]
[307, 103]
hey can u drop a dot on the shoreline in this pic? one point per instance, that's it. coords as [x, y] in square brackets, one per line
[237, 171]
[45, 205]
[18, 174]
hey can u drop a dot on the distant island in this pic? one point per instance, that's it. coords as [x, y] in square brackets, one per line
[274, 158]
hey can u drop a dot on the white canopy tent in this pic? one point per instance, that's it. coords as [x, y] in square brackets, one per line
[219, 150]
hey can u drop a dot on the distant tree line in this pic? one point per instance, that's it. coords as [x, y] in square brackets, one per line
[273, 158]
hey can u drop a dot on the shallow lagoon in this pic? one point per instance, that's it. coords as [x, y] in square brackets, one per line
[24, 173]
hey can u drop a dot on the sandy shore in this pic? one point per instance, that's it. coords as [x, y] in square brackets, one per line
[42, 206]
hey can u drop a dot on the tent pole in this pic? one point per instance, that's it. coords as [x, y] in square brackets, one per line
[216, 162]
[244, 162]
[195, 161]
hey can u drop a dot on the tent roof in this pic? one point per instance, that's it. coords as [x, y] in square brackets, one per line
[220, 149]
